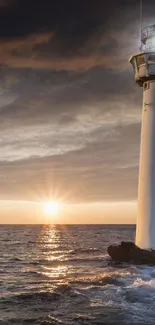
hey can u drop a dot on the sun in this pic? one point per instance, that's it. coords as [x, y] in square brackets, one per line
[51, 208]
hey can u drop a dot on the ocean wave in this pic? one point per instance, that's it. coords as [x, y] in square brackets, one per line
[46, 297]
[83, 251]
[141, 291]
[89, 259]
[35, 297]
[108, 278]
[51, 320]
[66, 260]
[15, 259]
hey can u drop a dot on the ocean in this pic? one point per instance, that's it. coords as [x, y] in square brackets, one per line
[63, 275]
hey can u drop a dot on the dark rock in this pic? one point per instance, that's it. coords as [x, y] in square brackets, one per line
[130, 253]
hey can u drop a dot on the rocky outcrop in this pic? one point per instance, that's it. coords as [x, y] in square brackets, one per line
[130, 253]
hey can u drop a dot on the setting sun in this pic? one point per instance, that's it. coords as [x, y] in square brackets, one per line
[51, 208]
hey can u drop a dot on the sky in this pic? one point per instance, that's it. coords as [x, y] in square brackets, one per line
[70, 112]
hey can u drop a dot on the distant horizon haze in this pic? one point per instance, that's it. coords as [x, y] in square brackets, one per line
[22, 212]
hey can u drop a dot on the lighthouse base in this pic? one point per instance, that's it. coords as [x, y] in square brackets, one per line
[130, 253]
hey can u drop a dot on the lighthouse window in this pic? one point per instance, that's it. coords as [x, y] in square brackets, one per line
[141, 60]
[146, 85]
[151, 58]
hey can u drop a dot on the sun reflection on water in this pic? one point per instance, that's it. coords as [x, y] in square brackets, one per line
[55, 272]
[52, 247]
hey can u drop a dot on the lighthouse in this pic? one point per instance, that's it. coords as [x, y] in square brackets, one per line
[144, 72]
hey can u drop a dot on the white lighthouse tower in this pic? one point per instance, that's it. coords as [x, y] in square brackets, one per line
[144, 70]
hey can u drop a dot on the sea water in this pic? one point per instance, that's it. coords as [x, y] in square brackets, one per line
[63, 275]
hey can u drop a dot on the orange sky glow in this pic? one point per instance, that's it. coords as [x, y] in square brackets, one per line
[26, 212]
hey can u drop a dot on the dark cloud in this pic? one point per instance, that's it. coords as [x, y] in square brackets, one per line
[72, 30]
[61, 99]
[8, 4]
[70, 19]
[63, 35]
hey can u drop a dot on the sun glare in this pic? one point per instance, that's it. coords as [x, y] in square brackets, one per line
[51, 208]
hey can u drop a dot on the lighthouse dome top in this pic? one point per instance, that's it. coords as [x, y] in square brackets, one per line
[148, 39]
